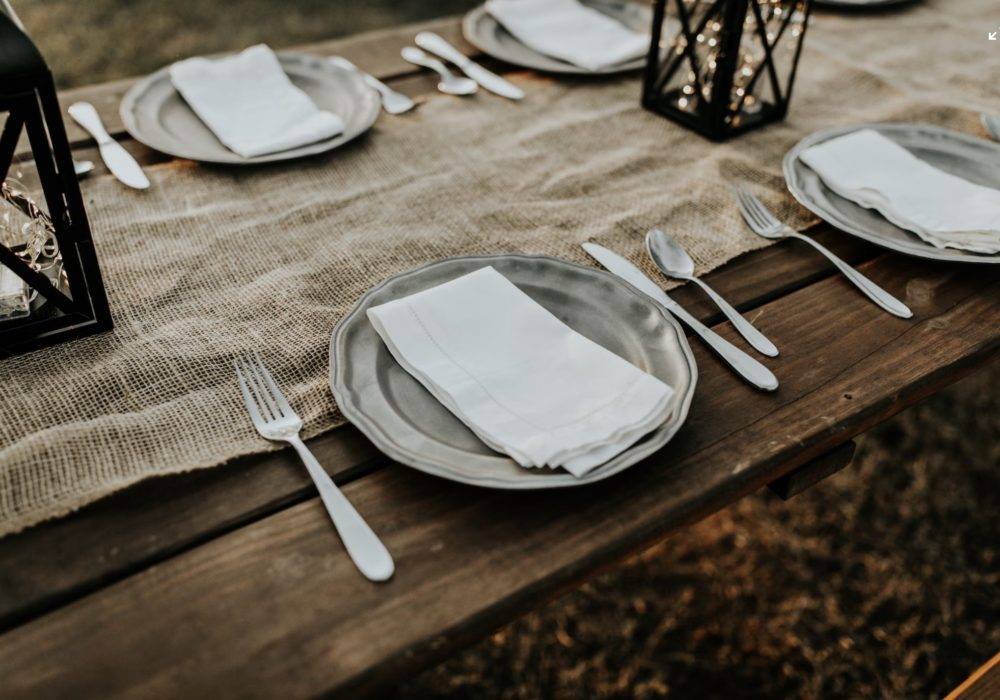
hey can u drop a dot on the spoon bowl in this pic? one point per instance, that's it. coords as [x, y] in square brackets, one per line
[668, 255]
[458, 86]
[450, 83]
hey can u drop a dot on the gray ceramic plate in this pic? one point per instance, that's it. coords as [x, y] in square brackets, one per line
[966, 156]
[155, 114]
[409, 425]
[486, 34]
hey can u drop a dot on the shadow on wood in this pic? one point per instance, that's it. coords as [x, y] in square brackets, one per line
[814, 471]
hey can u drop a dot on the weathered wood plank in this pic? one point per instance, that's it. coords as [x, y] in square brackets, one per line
[375, 52]
[153, 521]
[277, 607]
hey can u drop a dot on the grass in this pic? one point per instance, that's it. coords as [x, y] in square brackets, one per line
[92, 41]
[879, 582]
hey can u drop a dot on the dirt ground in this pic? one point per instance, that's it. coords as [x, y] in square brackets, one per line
[880, 582]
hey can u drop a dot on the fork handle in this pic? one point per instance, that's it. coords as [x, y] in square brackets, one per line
[753, 336]
[871, 290]
[363, 545]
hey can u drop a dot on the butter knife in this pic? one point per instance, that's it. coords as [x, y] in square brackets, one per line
[121, 164]
[749, 368]
[429, 41]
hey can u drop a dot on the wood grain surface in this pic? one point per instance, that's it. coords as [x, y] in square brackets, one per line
[231, 581]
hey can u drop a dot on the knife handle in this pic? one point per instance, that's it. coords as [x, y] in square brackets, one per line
[749, 368]
[86, 116]
[429, 41]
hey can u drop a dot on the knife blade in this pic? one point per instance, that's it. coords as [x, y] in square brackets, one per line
[746, 366]
[429, 41]
[119, 161]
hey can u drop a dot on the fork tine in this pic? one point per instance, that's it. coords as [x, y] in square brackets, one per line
[260, 388]
[275, 391]
[248, 399]
[263, 400]
[765, 222]
[765, 213]
[745, 210]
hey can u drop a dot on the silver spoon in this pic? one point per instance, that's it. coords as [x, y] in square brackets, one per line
[450, 83]
[674, 261]
[392, 102]
[992, 124]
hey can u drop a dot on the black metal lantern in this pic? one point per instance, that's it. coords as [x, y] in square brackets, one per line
[730, 66]
[51, 256]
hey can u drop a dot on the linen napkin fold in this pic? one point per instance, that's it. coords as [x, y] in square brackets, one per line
[569, 31]
[877, 173]
[250, 104]
[520, 379]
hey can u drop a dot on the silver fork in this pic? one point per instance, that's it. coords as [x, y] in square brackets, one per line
[992, 124]
[764, 223]
[275, 420]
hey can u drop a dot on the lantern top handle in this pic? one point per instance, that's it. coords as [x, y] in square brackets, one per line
[20, 61]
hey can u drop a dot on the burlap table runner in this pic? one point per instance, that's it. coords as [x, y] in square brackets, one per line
[211, 263]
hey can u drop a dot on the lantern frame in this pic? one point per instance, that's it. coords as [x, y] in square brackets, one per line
[28, 97]
[714, 115]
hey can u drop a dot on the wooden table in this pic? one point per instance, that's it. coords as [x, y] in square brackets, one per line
[230, 581]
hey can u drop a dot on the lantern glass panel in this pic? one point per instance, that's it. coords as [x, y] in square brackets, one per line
[25, 230]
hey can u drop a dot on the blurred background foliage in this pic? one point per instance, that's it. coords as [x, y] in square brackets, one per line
[89, 41]
[879, 582]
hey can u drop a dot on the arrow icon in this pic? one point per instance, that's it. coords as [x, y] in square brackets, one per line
[992, 36]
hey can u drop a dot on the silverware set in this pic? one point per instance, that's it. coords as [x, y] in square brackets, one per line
[435, 44]
[747, 367]
[673, 261]
[451, 84]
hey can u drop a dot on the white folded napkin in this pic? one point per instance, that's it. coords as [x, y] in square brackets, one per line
[524, 382]
[569, 31]
[877, 173]
[250, 104]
